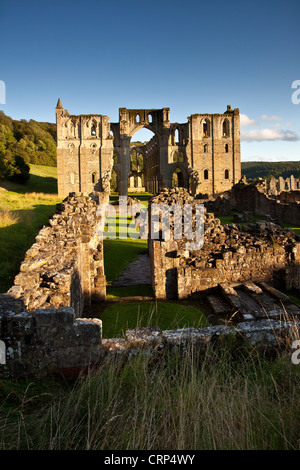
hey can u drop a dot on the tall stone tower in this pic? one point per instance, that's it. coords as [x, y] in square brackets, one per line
[84, 151]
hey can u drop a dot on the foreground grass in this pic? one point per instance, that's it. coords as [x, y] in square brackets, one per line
[23, 210]
[116, 319]
[217, 400]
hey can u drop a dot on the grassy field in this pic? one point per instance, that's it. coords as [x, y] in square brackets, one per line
[23, 210]
[225, 399]
[117, 318]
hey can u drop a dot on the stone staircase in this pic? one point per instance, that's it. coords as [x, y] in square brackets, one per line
[249, 302]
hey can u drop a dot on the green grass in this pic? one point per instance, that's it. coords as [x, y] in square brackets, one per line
[117, 318]
[144, 290]
[43, 179]
[228, 219]
[295, 227]
[23, 210]
[295, 299]
[220, 400]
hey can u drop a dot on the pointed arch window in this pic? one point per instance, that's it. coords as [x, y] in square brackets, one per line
[205, 148]
[206, 174]
[226, 148]
[72, 128]
[94, 177]
[225, 128]
[227, 174]
[206, 128]
[94, 129]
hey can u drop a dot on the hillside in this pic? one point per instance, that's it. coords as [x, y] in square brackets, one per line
[254, 170]
[34, 142]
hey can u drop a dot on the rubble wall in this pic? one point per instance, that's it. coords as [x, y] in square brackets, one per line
[64, 267]
[231, 253]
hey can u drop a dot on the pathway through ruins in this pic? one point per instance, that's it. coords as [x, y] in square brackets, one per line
[137, 273]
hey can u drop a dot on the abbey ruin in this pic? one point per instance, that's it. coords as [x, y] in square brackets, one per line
[202, 155]
[239, 273]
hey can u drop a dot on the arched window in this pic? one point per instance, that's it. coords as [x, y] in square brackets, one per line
[140, 162]
[206, 174]
[94, 177]
[137, 118]
[177, 178]
[150, 118]
[226, 148]
[205, 148]
[175, 156]
[94, 129]
[72, 178]
[181, 157]
[225, 129]
[227, 174]
[206, 127]
[133, 161]
[176, 136]
[72, 128]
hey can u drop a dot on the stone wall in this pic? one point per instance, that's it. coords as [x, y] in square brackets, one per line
[64, 267]
[255, 198]
[53, 341]
[47, 340]
[231, 253]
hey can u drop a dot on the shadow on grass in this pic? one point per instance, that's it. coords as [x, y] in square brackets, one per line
[122, 316]
[35, 184]
[119, 253]
[17, 238]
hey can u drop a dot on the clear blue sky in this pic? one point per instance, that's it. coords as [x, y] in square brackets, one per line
[192, 56]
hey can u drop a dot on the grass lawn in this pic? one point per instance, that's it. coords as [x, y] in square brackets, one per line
[23, 210]
[228, 219]
[117, 318]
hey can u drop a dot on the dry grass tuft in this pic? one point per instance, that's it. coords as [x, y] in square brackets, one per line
[8, 218]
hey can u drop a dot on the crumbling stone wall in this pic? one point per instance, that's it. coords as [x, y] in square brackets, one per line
[230, 253]
[254, 197]
[64, 267]
[48, 340]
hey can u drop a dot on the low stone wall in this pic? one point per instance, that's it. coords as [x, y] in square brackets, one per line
[64, 267]
[47, 340]
[263, 334]
[230, 253]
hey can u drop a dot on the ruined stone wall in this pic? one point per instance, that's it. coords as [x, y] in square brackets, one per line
[253, 197]
[64, 267]
[231, 253]
[276, 186]
[47, 340]
[208, 149]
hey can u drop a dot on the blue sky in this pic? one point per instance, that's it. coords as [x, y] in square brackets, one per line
[191, 56]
